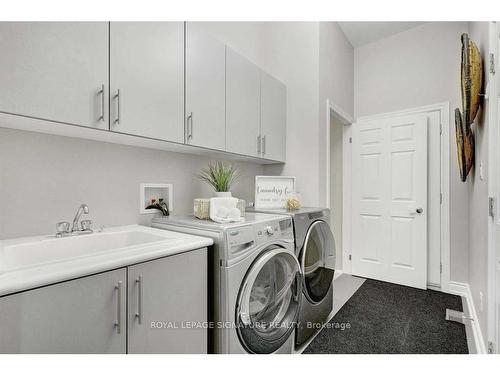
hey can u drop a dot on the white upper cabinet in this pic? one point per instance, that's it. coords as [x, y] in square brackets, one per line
[147, 79]
[205, 89]
[273, 118]
[242, 105]
[55, 71]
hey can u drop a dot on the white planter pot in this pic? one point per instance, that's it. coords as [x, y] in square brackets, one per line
[223, 194]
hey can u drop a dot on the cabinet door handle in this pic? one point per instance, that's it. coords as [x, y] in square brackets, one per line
[258, 144]
[101, 93]
[189, 126]
[138, 314]
[117, 98]
[263, 145]
[118, 324]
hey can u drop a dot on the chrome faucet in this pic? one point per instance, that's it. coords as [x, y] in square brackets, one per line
[83, 209]
[63, 228]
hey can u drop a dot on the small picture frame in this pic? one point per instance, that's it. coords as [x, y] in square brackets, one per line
[150, 191]
[272, 191]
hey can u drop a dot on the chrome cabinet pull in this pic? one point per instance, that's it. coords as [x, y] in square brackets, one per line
[118, 324]
[189, 126]
[263, 145]
[101, 93]
[138, 314]
[258, 144]
[117, 97]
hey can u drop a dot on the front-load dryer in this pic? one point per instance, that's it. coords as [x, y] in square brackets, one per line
[315, 249]
[255, 282]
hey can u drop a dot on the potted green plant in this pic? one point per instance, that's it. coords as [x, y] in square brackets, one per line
[220, 177]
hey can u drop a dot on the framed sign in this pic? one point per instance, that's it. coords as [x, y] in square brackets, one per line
[272, 191]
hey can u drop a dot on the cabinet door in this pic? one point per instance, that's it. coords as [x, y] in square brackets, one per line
[242, 105]
[205, 89]
[273, 120]
[77, 316]
[55, 71]
[147, 79]
[165, 296]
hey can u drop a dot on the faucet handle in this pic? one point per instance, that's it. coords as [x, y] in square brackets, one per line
[86, 225]
[62, 227]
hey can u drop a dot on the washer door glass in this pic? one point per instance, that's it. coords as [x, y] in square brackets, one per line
[268, 302]
[318, 261]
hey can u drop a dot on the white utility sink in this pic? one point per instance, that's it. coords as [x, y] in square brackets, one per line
[33, 252]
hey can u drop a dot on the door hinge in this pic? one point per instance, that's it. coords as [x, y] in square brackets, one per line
[350, 139]
[440, 268]
[350, 257]
[440, 198]
[491, 347]
[491, 206]
[492, 63]
[440, 128]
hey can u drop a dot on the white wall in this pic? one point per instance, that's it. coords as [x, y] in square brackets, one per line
[336, 83]
[294, 59]
[44, 178]
[478, 193]
[290, 52]
[58, 179]
[417, 67]
[336, 185]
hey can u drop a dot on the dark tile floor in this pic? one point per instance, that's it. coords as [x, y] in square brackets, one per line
[388, 318]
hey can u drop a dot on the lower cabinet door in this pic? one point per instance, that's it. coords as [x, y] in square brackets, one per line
[167, 304]
[85, 315]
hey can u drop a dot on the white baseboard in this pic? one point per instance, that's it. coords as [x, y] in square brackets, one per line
[463, 289]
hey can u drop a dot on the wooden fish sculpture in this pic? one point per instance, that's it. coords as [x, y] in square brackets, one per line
[471, 82]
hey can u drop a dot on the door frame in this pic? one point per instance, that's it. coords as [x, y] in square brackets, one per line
[493, 334]
[444, 111]
[333, 111]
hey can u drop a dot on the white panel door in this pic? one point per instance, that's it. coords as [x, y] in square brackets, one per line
[389, 200]
[147, 79]
[55, 71]
[273, 118]
[205, 89]
[242, 105]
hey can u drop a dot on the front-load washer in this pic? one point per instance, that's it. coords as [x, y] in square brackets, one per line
[315, 249]
[255, 282]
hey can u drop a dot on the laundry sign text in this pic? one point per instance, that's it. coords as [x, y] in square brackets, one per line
[272, 191]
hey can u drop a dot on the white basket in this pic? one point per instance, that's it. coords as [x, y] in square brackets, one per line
[201, 208]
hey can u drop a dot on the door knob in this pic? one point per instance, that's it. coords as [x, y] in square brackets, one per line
[419, 210]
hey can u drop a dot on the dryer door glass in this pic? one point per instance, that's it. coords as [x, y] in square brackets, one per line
[268, 301]
[318, 261]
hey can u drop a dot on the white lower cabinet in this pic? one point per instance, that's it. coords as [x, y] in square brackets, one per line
[78, 316]
[166, 300]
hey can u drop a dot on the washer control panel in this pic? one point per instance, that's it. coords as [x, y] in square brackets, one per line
[243, 238]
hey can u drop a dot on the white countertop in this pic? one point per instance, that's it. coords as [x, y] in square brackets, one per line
[48, 273]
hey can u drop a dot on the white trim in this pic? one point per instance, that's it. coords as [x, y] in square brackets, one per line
[463, 289]
[444, 109]
[346, 120]
[492, 95]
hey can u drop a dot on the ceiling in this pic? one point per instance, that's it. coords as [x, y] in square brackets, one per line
[361, 33]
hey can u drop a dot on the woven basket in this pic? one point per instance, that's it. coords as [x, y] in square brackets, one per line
[201, 208]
